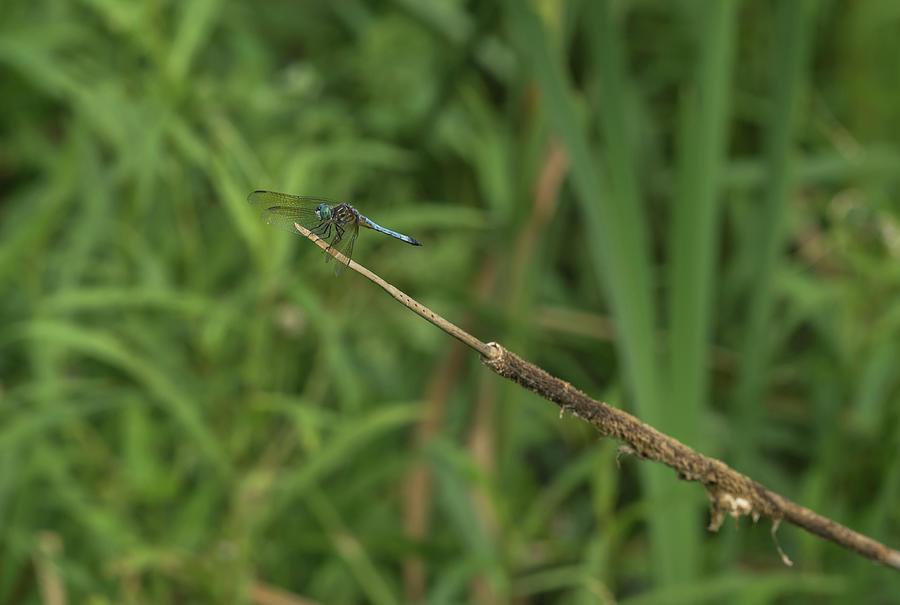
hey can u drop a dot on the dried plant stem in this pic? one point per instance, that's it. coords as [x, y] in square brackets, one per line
[729, 492]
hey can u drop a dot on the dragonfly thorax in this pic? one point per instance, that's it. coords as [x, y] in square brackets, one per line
[323, 211]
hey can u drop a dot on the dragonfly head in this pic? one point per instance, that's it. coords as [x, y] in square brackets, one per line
[323, 211]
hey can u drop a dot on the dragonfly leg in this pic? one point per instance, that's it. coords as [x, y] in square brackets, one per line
[326, 231]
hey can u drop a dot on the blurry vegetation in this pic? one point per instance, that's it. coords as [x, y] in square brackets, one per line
[192, 408]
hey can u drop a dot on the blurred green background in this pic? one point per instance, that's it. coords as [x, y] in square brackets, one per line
[687, 209]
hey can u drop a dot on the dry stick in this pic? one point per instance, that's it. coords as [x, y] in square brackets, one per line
[729, 492]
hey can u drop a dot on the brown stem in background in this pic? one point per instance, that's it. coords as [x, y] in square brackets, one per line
[418, 485]
[482, 445]
[46, 567]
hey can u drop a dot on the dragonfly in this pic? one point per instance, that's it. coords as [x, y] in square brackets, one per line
[337, 223]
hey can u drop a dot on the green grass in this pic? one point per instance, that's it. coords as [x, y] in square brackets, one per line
[193, 406]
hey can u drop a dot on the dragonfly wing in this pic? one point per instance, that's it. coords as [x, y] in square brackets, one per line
[344, 245]
[282, 210]
[284, 219]
[274, 198]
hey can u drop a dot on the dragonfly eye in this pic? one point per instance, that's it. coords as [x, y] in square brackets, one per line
[323, 211]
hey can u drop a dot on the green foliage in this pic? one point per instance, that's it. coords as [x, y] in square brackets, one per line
[192, 408]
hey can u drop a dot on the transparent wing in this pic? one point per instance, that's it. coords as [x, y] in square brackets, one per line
[283, 210]
[344, 245]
